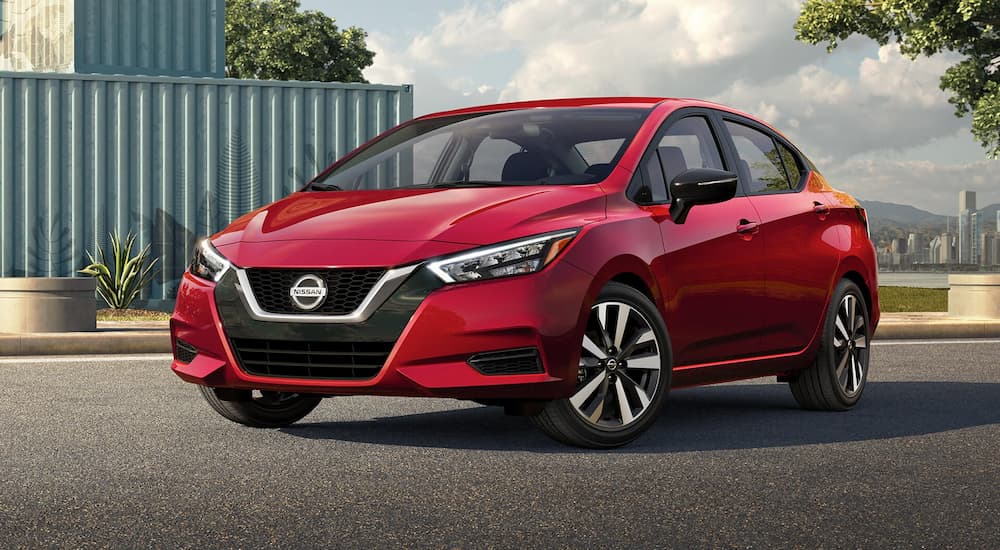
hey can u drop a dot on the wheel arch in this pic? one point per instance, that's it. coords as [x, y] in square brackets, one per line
[855, 270]
[630, 271]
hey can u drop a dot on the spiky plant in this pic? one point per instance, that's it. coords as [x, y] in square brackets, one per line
[130, 275]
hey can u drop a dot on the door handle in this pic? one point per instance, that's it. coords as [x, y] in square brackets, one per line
[820, 208]
[747, 227]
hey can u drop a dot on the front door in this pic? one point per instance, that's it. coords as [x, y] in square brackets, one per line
[713, 277]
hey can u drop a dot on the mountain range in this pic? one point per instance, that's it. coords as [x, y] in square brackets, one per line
[905, 214]
[896, 221]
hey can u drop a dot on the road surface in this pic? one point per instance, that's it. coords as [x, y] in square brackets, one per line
[117, 452]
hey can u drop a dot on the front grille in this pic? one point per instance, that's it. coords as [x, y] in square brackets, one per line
[184, 352]
[295, 359]
[346, 289]
[512, 361]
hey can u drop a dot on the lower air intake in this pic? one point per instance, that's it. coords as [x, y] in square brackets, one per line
[184, 352]
[326, 360]
[506, 362]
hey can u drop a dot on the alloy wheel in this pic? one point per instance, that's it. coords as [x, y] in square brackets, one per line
[850, 343]
[619, 366]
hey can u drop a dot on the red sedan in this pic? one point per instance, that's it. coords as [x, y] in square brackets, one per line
[569, 260]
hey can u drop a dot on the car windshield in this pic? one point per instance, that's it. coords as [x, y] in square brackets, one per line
[524, 147]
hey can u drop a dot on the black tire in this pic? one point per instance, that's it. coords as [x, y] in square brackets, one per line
[836, 380]
[269, 410]
[649, 373]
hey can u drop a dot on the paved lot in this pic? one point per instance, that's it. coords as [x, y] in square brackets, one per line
[113, 452]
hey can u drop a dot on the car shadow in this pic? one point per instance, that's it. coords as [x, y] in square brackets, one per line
[701, 419]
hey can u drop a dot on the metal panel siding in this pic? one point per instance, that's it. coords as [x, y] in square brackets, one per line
[171, 159]
[150, 37]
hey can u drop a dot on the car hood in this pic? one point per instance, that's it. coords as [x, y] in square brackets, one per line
[397, 226]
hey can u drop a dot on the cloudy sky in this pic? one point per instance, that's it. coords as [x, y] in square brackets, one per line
[874, 122]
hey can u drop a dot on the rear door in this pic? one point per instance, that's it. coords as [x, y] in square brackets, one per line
[799, 239]
[713, 280]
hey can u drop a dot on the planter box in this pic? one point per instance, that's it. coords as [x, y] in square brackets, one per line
[974, 296]
[48, 304]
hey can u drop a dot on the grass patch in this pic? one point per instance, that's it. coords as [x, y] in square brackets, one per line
[131, 315]
[904, 299]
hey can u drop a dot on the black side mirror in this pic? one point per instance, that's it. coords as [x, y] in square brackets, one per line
[699, 186]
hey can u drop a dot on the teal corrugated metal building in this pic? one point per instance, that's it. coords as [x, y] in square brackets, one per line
[127, 37]
[150, 37]
[169, 158]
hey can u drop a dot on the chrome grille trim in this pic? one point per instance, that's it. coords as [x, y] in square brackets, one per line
[383, 289]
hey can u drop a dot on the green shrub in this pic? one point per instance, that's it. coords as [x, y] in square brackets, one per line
[130, 275]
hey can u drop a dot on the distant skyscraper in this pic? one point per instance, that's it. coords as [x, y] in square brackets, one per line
[964, 236]
[935, 250]
[947, 252]
[998, 224]
[987, 256]
[966, 200]
[976, 233]
[968, 236]
[915, 247]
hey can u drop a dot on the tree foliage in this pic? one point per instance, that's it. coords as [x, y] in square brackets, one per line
[970, 28]
[274, 40]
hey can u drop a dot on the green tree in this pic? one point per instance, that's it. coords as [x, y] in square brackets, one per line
[970, 28]
[273, 40]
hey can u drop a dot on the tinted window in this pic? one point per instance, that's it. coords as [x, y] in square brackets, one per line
[791, 166]
[760, 162]
[425, 154]
[529, 146]
[599, 152]
[490, 158]
[691, 145]
[654, 179]
[687, 143]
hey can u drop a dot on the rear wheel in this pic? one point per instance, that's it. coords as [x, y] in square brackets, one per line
[260, 409]
[837, 378]
[623, 375]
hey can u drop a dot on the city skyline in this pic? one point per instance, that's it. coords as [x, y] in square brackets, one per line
[970, 244]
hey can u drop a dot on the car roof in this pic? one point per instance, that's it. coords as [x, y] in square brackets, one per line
[620, 102]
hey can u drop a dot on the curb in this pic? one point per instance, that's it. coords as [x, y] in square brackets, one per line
[938, 329]
[86, 343]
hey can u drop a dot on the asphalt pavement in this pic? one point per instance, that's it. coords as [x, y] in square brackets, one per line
[116, 452]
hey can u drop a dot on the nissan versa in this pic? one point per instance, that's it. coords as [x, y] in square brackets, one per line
[569, 260]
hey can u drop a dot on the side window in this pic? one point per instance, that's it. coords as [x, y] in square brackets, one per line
[687, 143]
[654, 179]
[489, 159]
[760, 162]
[791, 163]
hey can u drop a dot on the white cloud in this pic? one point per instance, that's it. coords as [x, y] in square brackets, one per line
[927, 185]
[841, 109]
[891, 103]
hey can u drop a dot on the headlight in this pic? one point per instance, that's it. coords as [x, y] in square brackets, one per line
[515, 258]
[208, 263]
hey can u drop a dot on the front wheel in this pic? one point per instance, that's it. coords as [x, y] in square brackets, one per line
[263, 409]
[623, 375]
[837, 378]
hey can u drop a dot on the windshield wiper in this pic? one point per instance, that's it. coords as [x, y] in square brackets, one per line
[320, 186]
